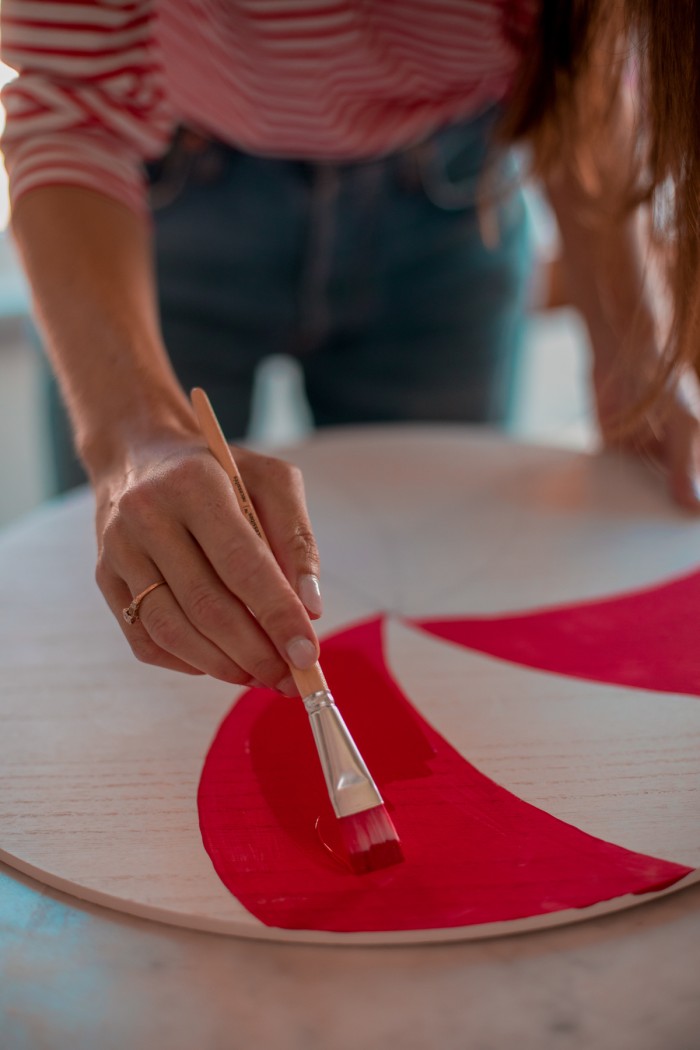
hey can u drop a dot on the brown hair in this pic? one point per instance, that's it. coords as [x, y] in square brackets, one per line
[576, 61]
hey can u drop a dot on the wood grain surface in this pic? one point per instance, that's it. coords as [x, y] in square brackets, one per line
[100, 756]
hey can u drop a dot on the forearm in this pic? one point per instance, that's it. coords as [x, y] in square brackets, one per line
[605, 244]
[165, 510]
[88, 260]
[606, 269]
[613, 281]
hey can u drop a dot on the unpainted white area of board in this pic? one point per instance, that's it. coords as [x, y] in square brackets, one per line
[100, 756]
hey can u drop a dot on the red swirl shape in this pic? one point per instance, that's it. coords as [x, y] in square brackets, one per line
[647, 639]
[474, 852]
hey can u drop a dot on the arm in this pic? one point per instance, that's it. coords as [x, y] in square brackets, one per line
[88, 261]
[606, 263]
[73, 146]
[164, 508]
[86, 109]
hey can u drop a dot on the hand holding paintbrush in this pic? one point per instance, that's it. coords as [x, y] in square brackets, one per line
[369, 836]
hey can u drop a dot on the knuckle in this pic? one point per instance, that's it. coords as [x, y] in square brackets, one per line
[165, 631]
[290, 471]
[145, 650]
[268, 669]
[302, 544]
[226, 671]
[207, 609]
[113, 542]
[176, 481]
[280, 472]
[273, 465]
[138, 516]
[110, 532]
[102, 574]
[243, 562]
[136, 505]
[280, 625]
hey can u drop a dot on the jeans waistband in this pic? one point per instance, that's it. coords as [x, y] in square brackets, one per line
[448, 164]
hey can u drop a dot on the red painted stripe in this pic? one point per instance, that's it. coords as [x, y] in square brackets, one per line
[474, 852]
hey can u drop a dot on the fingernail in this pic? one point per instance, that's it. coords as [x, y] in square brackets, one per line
[694, 488]
[310, 593]
[287, 686]
[301, 653]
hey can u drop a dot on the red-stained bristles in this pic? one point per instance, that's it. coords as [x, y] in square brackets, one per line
[370, 840]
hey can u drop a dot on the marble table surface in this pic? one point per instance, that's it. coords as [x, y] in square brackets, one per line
[74, 976]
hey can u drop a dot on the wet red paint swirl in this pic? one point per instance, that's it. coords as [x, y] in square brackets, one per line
[475, 853]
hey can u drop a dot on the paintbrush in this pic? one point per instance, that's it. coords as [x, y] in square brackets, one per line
[368, 834]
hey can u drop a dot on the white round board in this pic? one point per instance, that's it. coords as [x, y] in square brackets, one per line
[100, 756]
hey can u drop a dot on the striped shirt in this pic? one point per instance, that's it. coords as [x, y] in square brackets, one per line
[103, 82]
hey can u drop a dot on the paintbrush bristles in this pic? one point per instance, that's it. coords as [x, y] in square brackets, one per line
[370, 839]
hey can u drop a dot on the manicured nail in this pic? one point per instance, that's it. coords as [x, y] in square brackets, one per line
[287, 686]
[310, 594]
[301, 653]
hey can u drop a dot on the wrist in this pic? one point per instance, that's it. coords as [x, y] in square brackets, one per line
[113, 441]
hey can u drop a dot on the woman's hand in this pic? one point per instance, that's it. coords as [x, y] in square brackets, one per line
[229, 609]
[667, 436]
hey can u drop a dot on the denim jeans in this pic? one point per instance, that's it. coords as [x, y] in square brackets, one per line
[374, 275]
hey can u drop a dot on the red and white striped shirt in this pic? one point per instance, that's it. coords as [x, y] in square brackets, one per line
[102, 82]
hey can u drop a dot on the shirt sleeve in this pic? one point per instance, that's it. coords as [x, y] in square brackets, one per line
[88, 105]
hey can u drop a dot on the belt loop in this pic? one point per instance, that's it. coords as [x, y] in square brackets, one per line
[314, 320]
[410, 162]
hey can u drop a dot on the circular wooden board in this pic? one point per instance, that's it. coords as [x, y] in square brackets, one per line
[100, 757]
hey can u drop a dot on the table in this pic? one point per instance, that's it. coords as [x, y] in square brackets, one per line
[76, 975]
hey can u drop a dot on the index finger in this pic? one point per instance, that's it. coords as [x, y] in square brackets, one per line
[247, 567]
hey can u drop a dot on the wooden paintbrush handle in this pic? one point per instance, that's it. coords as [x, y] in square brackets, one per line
[219, 448]
[311, 680]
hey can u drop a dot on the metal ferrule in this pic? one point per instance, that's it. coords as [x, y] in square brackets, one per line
[350, 786]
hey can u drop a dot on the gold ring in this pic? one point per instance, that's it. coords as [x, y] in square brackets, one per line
[131, 613]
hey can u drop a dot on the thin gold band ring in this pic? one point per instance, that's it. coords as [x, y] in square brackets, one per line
[131, 613]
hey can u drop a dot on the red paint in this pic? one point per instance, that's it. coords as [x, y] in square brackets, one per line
[369, 840]
[474, 852]
[646, 640]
